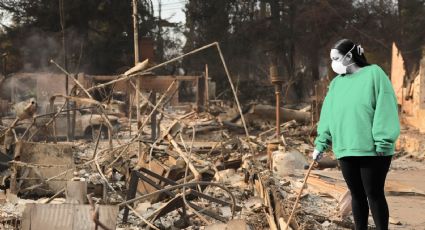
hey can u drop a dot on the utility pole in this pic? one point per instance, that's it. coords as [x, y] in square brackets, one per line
[137, 97]
[161, 53]
[136, 58]
[159, 35]
[136, 33]
[65, 64]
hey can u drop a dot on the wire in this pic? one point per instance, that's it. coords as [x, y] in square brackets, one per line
[174, 3]
[169, 9]
[170, 6]
[355, 28]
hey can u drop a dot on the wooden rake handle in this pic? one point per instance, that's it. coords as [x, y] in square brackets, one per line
[299, 195]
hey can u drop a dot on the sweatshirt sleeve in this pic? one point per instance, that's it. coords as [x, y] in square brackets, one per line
[386, 124]
[324, 137]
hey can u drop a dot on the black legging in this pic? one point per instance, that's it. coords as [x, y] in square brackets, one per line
[365, 177]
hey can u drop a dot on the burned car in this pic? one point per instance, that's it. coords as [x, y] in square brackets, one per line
[88, 124]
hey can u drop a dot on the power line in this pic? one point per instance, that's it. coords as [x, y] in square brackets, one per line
[355, 28]
[169, 9]
[173, 3]
[170, 6]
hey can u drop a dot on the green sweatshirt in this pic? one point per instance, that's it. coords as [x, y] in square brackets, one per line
[359, 115]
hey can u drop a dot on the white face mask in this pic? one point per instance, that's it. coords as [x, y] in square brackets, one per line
[338, 67]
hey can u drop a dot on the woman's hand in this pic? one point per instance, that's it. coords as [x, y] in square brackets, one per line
[317, 155]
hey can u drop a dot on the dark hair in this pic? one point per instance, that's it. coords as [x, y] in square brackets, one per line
[345, 45]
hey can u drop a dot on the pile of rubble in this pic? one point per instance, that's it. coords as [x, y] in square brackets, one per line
[197, 173]
[215, 178]
[226, 167]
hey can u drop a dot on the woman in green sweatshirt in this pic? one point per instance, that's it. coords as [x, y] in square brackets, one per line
[359, 117]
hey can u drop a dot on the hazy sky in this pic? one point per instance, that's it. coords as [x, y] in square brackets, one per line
[171, 10]
[5, 19]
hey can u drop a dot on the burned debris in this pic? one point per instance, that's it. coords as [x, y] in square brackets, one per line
[192, 168]
[196, 165]
[146, 149]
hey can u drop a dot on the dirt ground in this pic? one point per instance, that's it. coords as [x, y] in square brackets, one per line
[409, 210]
[407, 207]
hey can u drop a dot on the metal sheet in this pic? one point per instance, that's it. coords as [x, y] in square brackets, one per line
[66, 217]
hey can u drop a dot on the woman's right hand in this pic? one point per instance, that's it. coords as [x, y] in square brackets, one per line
[317, 155]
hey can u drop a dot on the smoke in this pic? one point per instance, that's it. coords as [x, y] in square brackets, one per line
[18, 89]
[36, 76]
[40, 85]
[39, 47]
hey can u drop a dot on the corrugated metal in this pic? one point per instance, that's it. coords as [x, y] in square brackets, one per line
[66, 217]
[52, 217]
